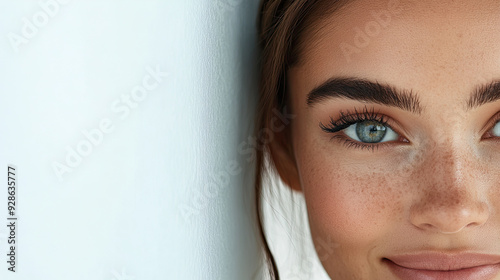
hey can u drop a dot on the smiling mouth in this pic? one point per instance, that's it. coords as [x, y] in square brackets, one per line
[444, 267]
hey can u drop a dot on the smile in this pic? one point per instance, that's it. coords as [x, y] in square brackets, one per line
[435, 266]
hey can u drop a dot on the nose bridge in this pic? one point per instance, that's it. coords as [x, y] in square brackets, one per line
[447, 165]
[443, 159]
[449, 196]
[446, 183]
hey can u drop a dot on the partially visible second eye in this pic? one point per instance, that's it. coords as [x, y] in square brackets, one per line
[373, 132]
[496, 130]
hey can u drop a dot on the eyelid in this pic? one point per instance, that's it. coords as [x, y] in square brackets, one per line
[389, 121]
[349, 142]
[490, 125]
[403, 139]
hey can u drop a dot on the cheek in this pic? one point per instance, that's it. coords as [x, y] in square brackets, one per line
[354, 206]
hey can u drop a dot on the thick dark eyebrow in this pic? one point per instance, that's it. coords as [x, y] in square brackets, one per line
[364, 90]
[484, 94]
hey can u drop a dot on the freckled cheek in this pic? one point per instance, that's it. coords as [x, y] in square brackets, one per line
[351, 207]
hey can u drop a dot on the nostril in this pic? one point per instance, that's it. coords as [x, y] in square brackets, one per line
[440, 229]
[452, 232]
[449, 220]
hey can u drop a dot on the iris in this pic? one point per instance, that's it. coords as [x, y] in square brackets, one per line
[370, 132]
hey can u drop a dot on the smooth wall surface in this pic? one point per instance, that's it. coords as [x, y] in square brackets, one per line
[125, 124]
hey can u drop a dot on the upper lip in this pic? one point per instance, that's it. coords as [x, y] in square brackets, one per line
[444, 261]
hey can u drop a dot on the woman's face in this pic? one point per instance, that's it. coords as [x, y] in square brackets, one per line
[398, 156]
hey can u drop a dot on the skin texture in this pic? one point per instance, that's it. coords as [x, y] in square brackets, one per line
[440, 190]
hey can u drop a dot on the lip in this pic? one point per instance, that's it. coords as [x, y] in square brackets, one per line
[442, 266]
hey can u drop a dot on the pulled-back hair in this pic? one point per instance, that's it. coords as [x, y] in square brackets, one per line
[281, 25]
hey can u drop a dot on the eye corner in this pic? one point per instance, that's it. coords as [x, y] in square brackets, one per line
[493, 132]
[404, 140]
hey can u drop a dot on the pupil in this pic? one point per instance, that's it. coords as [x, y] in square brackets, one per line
[370, 131]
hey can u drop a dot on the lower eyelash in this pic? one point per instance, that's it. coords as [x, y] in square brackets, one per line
[347, 120]
[355, 144]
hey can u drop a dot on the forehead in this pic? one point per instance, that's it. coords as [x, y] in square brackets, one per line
[429, 46]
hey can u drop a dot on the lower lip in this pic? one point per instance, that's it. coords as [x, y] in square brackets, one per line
[485, 272]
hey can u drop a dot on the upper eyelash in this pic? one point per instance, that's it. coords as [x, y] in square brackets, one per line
[495, 119]
[347, 119]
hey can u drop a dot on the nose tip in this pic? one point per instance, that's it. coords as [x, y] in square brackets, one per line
[451, 196]
[449, 220]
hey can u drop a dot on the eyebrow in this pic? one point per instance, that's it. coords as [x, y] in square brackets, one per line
[375, 92]
[484, 94]
[364, 90]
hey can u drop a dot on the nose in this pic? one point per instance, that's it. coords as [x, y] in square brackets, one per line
[449, 219]
[450, 193]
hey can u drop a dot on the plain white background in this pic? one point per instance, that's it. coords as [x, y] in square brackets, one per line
[128, 122]
[163, 192]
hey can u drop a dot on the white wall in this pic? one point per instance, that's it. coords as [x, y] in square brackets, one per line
[162, 192]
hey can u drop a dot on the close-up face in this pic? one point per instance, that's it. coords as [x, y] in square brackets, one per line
[396, 140]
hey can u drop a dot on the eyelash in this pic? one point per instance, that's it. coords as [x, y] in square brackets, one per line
[496, 119]
[347, 119]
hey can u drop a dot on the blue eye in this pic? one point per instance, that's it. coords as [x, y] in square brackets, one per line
[363, 130]
[496, 130]
[371, 132]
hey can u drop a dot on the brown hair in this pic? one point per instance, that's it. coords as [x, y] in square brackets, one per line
[281, 26]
